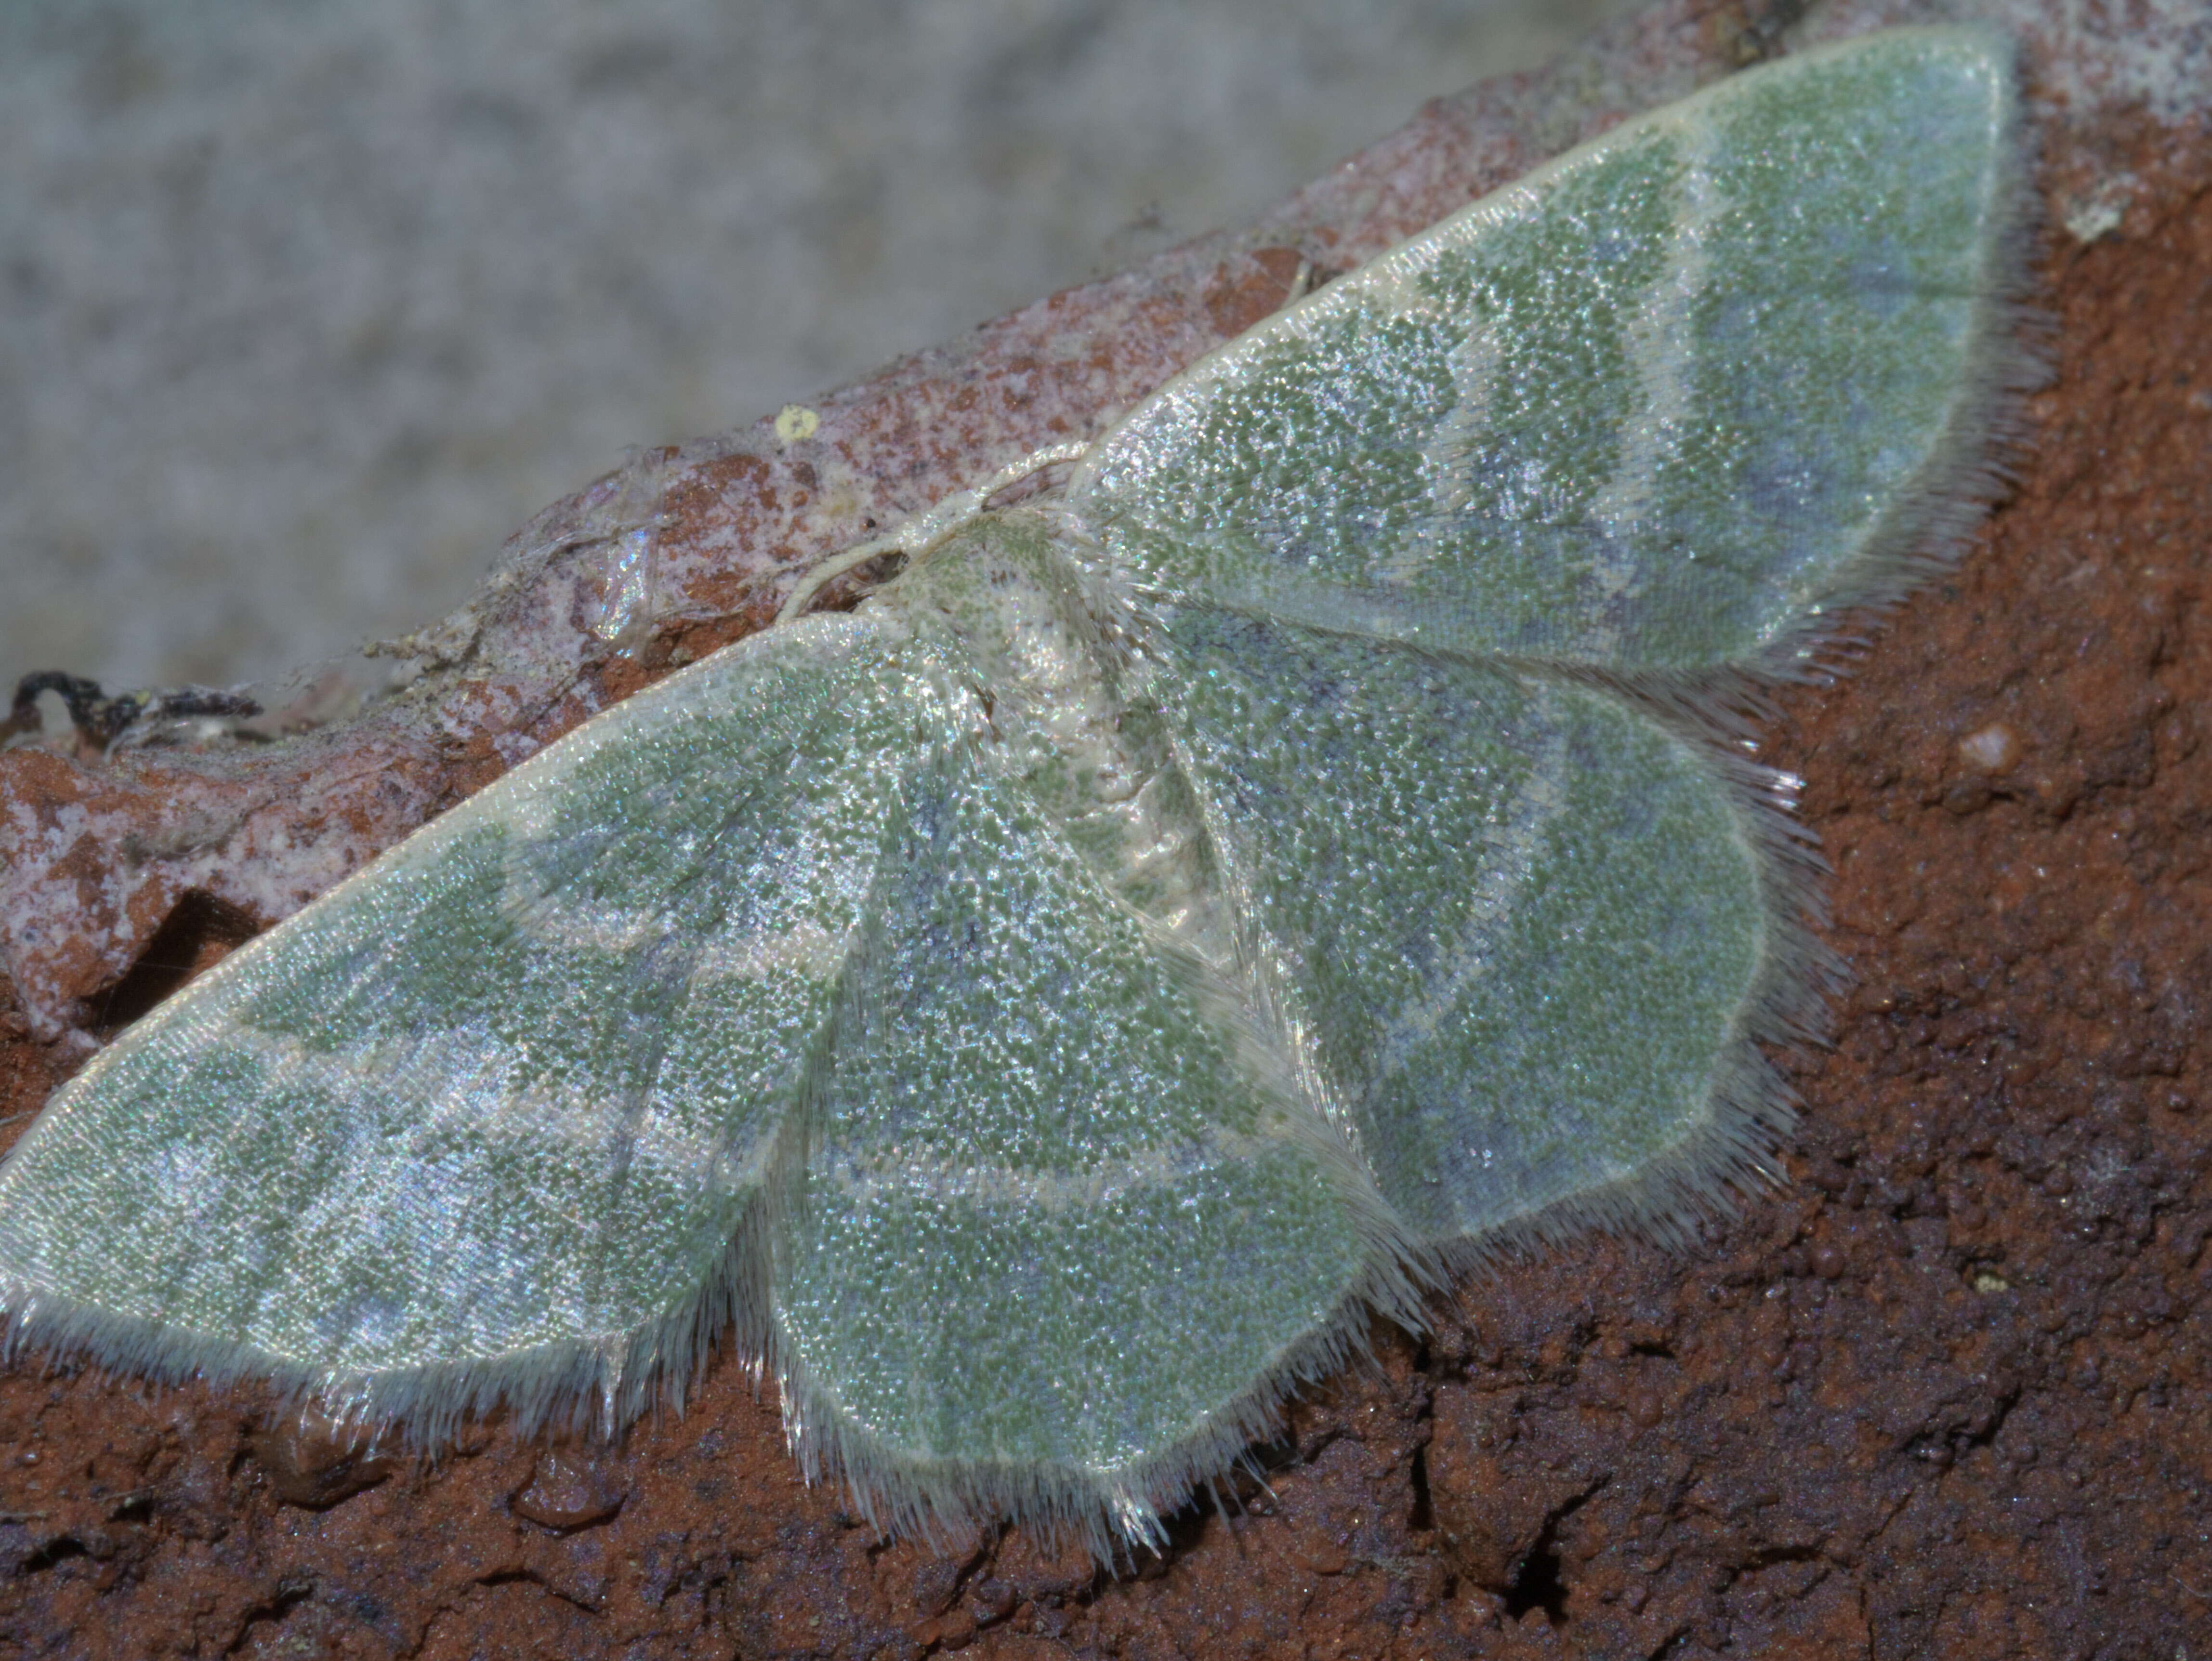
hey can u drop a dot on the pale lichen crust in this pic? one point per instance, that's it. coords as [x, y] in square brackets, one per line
[1047, 1011]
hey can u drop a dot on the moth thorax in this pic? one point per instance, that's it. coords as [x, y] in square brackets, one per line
[1068, 713]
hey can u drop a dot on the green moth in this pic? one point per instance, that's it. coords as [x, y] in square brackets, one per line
[1045, 1010]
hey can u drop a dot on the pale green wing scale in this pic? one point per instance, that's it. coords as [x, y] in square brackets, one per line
[1047, 1010]
[494, 1116]
[1668, 403]
[1069, 1224]
[1528, 935]
[1457, 565]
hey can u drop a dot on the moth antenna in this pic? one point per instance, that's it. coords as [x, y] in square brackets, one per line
[814, 581]
[925, 527]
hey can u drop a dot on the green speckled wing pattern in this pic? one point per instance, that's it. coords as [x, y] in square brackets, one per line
[1517, 920]
[1044, 1170]
[1047, 1010]
[1658, 407]
[516, 1085]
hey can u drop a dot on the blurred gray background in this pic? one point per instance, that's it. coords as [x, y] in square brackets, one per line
[305, 304]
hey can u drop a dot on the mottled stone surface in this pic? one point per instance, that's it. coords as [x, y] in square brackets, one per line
[1944, 1394]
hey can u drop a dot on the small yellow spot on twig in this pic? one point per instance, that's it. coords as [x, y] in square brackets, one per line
[1994, 749]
